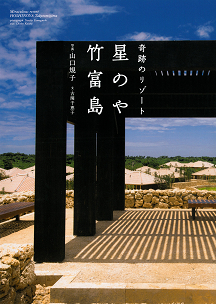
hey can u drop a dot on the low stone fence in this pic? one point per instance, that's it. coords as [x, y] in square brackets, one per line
[69, 198]
[17, 197]
[17, 276]
[173, 198]
[30, 197]
[166, 199]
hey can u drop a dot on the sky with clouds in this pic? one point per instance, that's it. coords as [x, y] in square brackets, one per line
[86, 20]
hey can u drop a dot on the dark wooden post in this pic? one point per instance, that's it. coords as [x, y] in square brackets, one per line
[84, 178]
[50, 179]
[119, 162]
[104, 208]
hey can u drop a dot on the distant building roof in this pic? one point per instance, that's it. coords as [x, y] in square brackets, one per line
[14, 171]
[174, 164]
[165, 171]
[18, 183]
[70, 176]
[69, 169]
[147, 169]
[3, 171]
[28, 184]
[207, 172]
[138, 178]
[29, 169]
[24, 180]
[197, 164]
[30, 173]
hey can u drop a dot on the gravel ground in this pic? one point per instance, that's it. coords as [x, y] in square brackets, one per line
[42, 295]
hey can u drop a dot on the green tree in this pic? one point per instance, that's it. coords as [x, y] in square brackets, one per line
[164, 181]
[188, 173]
[2, 175]
[70, 160]
[70, 184]
[7, 163]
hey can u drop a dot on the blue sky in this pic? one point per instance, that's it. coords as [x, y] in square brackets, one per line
[80, 20]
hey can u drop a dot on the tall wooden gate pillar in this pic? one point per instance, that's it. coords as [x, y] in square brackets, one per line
[50, 177]
[84, 178]
[119, 163]
[110, 166]
[104, 208]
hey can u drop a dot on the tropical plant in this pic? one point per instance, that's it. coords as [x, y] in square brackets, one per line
[164, 181]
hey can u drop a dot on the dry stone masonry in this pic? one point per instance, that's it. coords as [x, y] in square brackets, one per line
[17, 197]
[69, 198]
[30, 197]
[165, 199]
[17, 276]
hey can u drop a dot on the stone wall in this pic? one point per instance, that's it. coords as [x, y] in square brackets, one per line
[17, 276]
[166, 199]
[17, 197]
[173, 198]
[69, 198]
[30, 197]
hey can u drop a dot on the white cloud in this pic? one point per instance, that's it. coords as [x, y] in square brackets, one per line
[38, 33]
[6, 31]
[22, 44]
[83, 7]
[17, 126]
[164, 124]
[21, 137]
[144, 144]
[11, 105]
[27, 90]
[12, 59]
[12, 102]
[28, 149]
[203, 31]
[16, 76]
[18, 61]
[28, 2]
[92, 9]
[145, 36]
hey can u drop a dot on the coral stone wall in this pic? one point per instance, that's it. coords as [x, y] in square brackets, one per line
[30, 197]
[17, 197]
[166, 199]
[173, 198]
[17, 276]
[69, 198]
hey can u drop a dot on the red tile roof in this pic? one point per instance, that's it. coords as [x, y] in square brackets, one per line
[138, 178]
[28, 184]
[70, 176]
[69, 169]
[14, 171]
[18, 183]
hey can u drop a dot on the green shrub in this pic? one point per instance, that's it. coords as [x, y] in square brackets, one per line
[164, 181]
[70, 184]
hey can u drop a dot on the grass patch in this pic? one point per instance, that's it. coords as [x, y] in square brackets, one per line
[207, 188]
